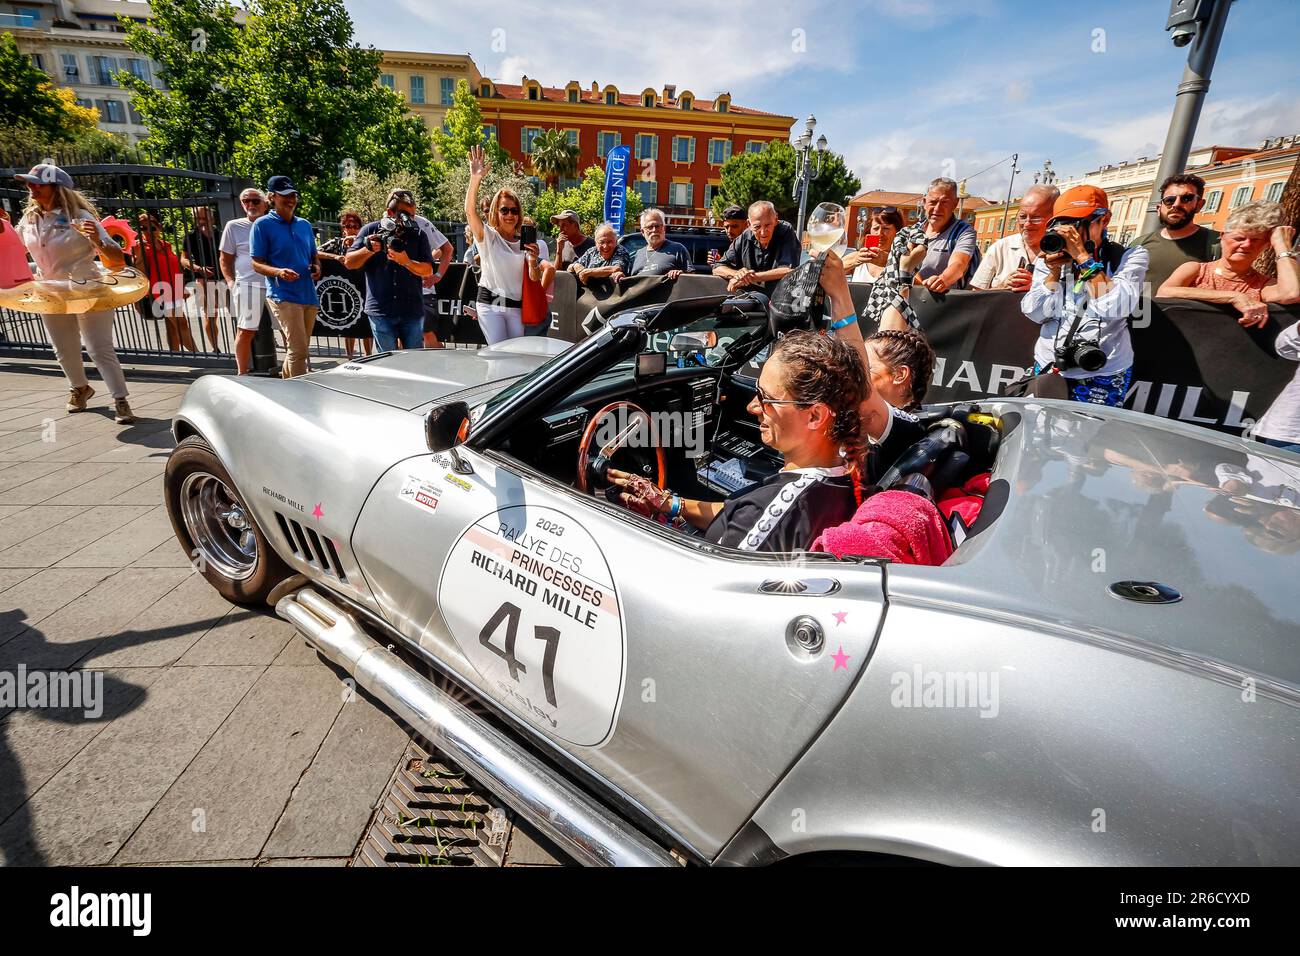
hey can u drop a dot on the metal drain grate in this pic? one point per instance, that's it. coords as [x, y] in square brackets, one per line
[434, 815]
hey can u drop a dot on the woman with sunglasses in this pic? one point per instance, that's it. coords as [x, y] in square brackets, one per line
[807, 405]
[502, 258]
[332, 253]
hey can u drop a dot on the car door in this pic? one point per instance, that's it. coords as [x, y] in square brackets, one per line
[689, 679]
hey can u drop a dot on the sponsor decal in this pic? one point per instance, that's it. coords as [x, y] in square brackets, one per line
[419, 492]
[460, 483]
[530, 600]
[284, 499]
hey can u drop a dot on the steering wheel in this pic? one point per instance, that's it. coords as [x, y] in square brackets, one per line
[647, 461]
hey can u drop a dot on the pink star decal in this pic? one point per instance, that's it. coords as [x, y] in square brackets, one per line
[841, 659]
[316, 512]
[840, 616]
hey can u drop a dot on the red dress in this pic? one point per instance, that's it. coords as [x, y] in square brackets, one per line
[166, 277]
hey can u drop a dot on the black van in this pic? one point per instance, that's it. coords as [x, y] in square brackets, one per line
[698, 240]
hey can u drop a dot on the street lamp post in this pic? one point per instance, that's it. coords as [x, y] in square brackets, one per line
[804, 173]
[1015, 158]
[1200, 23]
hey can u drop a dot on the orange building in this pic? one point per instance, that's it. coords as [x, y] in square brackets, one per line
[678, 141]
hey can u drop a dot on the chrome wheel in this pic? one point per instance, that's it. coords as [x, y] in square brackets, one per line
[215, 520]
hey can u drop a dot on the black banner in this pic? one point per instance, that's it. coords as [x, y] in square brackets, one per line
[1193, 361]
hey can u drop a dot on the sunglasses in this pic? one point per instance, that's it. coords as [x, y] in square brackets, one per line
[766, 400]
[508, 211]
[1187, 199]
[254, 201]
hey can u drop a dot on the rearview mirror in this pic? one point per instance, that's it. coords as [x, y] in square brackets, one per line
[446, 426]
[693, 341]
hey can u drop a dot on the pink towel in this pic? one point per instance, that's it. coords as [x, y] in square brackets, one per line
[898, 525]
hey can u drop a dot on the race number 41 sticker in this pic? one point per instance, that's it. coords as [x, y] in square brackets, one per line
[530, 600]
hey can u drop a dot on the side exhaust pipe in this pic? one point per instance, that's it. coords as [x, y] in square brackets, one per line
[573, 821]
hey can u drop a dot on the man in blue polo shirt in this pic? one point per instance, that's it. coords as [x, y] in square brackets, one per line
[394, 276]
[283, 248]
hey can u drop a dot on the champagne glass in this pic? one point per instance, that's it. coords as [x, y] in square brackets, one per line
[826, 227]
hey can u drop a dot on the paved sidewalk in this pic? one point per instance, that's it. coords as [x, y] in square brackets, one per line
[224, 737]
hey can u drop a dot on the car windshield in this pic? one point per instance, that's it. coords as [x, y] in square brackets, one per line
[728, 327]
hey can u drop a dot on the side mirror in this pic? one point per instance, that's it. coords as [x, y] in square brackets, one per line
[693, 341]
[446, 426]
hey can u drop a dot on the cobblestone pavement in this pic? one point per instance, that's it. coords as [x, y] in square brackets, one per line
[224, 738]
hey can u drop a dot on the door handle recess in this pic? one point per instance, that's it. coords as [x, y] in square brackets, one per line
[813, 587]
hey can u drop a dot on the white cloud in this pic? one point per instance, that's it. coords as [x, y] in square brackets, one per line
[906, 159]
[748, 44]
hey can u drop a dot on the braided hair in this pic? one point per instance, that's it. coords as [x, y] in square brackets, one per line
[910, 348]
[820, 368]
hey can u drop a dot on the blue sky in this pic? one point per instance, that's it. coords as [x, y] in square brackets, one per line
[906, 89]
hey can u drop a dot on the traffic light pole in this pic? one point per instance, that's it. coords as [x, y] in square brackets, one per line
[1187, 103]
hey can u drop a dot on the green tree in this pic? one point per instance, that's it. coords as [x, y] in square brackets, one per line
[464, 124]
[367, 192]
[450, 195]
[197, 45]
[33, 110]
[554, 156]
[587, 199]
[314, 103]
[290, 92]
[769, 174]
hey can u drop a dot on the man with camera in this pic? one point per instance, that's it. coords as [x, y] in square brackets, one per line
[395, 254]
[1084, 289]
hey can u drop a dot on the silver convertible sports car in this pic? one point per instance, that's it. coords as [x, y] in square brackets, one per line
[1105, 671]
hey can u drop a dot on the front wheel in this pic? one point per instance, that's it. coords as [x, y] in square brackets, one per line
[214, 526]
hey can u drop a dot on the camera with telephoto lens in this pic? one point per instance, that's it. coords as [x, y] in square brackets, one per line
[395, 232]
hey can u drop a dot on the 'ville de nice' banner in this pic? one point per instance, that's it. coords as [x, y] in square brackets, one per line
[617, 162]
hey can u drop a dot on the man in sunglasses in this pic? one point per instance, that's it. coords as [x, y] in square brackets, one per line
[1179, 239]
[247, 288]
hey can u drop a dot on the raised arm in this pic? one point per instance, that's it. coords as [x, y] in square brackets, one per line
[1287, 288]
[874, 410]
[479, 166]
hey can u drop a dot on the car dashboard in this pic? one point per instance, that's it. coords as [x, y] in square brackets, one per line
[711, 443]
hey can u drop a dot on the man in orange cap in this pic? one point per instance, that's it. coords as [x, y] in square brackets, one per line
[1084, 289]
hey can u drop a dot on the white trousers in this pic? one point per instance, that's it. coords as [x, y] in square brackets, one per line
[95, 329]
[499, 323]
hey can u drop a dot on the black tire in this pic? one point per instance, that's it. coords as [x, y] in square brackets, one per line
[195, 475]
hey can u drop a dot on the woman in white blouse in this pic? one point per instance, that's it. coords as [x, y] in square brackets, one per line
[500, 284]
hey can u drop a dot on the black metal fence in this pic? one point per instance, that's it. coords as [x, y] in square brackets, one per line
[176, 215]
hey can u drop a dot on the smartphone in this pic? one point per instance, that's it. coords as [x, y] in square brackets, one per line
[1024, 263]
[527, 235]
[871, 242]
